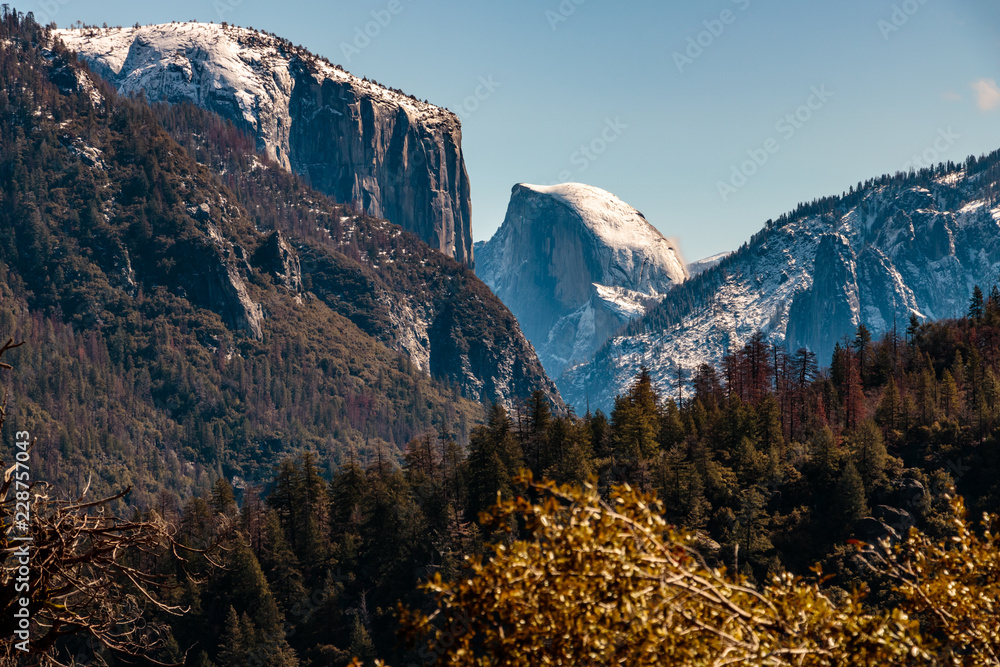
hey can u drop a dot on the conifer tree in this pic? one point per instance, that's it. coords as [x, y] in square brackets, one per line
[234, 646]
[223, 499]
[494, 460]
[536, 449]
[887, 414]
[825, 458]
[862, 348]
[976, 305]
[312, 515]
[849, 502]
[949, 395]
[636, 420]
[869, 453]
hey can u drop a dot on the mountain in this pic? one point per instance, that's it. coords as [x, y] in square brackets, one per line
[382, 151]
[894, 246]
[193, 310]
[705, 263]
[574, 263]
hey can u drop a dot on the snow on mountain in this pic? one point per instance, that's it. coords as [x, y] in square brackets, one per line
[705, 263]
[897, 246]
[386, 152]
[574, 263]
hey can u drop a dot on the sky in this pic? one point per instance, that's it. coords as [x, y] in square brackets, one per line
[708, 116]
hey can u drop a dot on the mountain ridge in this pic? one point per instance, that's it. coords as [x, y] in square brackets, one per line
[895, 245]
[207, 339]
[382, 151]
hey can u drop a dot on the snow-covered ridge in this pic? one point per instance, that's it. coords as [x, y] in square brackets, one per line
[705, 263]
[232, 57]
[892, 250]
[386, 152]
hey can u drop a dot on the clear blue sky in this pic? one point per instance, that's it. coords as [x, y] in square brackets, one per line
[681, 127]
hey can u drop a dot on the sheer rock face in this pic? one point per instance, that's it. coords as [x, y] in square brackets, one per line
[831, 306]
[889, 250]
[380, 150]
[277, 256]
[574, 263]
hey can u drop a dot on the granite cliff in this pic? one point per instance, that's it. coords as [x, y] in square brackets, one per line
[383, 152]
[574, 263]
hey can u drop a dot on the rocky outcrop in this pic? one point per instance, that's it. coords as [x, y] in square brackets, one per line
[382, 151]
[819, 315]
[574, 263]
[214, 279]
[277, 257]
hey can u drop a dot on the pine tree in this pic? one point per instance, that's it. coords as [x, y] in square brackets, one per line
[949, 395]
[223, 499]
[494, 460]
[770, 436]
[869, 453]
[636, 420]
[862, 346]
[282, 566]
[849, 502]
[888, 412]
[672, 428]
[825, 458]
[361, 645]
[927, 397]
[913, 328]
[993, 306]
[312, 515]
[539, 420]
[234, 646]
[976, 305]
[285, 498]
[244, 587]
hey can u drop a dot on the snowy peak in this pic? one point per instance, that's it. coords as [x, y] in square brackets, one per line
[621, 228]
[376, 148]
[574, 263]
[197, 61]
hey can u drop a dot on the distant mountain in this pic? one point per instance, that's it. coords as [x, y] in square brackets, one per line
[574, 263]
[382, 151]
[193, 310]
[705, 263]
[894, 246]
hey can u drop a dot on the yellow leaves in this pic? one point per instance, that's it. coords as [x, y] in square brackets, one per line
[609, 583]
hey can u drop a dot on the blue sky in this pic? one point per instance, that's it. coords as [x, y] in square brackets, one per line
[708, 116]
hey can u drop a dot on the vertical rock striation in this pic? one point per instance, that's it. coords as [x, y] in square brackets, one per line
[385, 152]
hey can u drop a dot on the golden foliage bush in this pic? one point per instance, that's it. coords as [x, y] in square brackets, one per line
[609, 582]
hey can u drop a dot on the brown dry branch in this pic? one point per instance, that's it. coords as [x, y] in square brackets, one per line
[92, 574]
